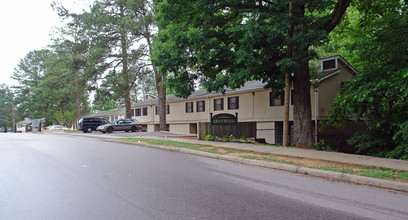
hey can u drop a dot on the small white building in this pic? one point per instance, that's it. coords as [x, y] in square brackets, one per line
[24, 126]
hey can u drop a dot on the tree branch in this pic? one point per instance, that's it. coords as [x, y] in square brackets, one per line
[337, 14]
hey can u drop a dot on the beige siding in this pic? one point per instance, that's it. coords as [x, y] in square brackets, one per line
[254, 106]
[150, 128]
[266, 131]
[180, 128]
[329, 88]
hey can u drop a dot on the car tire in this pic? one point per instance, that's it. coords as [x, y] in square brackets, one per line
[110, 130]
[127, 130]
[88, 130]
[134, 129]
[104, 132]
[84, 131]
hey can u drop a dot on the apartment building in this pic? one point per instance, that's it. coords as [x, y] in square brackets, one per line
[254, 105]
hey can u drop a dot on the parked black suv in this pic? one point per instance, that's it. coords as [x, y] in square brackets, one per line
[87, 125]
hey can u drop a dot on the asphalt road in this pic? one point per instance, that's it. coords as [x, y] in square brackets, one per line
[74, 177]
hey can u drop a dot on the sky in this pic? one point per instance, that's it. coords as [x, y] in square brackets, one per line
[25, 26]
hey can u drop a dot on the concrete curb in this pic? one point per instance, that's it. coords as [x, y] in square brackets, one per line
[369, 181]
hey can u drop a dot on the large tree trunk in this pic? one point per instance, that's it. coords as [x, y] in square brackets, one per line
[161, 91]
[285, 139]
[77, 100]
[302, 115]
[127, 82]
[302, 112]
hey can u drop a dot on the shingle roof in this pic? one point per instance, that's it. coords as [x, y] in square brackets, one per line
[116, 111]
[25, 122]
[202, 93]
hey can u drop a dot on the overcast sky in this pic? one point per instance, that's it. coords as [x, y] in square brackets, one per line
[25, 26]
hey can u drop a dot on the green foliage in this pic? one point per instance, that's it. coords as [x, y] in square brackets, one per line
[321, 145]
[227, 43]
[379, 93]
[65, 118]
[6, 105]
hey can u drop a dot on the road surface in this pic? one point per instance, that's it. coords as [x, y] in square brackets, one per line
[77, 177]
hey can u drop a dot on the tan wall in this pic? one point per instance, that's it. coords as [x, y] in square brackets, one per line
[150, 128]
[253, 107]
[267, 131]
[329, 89]
[180, 128]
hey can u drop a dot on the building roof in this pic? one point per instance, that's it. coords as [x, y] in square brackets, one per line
[202, 93]
[116, 111]
[26, 121]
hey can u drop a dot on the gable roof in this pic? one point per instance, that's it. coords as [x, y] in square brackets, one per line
[331, 72]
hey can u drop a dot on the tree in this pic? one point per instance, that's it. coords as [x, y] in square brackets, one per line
[6, 105]
[376, 42]
[145, 27]
[73, 48]
[31, 99]
[226, 43]
[111, 23]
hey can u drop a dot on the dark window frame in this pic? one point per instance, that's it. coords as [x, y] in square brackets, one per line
[329, 64]
[233, 105]
[276, 100]
[138, 112]
[200, 107]
[156, 109]
[144, 111]
[219, 106]
[189, 107]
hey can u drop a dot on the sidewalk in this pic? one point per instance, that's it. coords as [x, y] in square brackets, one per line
[313, 154]
[301, 153]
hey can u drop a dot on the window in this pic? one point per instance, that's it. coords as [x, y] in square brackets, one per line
[138, 112]
[189, 107]
[200, 106]
[132, 112]
[233, 103]
[167, 109]
[276, 100]
[144, 111]
[329, 64]
[219, 104]
[156, 109]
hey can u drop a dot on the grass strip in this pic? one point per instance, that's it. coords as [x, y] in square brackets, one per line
[368, 171]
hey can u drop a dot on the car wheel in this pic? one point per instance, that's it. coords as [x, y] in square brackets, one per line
[104, 132]
[110, 130]
[134, 129]
[84, 131]
[88, 130]
[127, 130]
